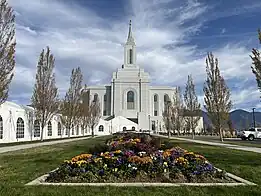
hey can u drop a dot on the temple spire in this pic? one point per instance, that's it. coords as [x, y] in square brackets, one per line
[130, 37]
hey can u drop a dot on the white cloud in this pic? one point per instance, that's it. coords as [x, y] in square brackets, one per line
[78, 36]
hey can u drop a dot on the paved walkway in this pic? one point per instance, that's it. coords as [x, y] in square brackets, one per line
[33, 145]
[231, 146]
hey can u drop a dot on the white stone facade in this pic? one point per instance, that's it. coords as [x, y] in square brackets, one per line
[130, 94]
[18, 124]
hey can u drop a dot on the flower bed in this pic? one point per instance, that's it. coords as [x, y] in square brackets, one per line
[137, 158]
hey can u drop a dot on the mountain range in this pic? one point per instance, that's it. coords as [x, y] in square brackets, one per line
[241, 119]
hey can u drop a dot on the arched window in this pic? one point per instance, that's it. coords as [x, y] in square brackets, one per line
[95, 98]
[133, 128]
[67, 131]
[82, 129]
[124, 129]
[156, 105]
[77, 130]
[130, 100]
[166, 102]
[49, 128]
[166, 99]
[36, 128]
[20, 128]
[59, 129]
[101, 128]
[1, 128]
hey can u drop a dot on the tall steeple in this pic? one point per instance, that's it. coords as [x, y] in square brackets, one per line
[130, 39]
[130, 50]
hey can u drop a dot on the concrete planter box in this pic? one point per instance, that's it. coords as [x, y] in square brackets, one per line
[240, 182]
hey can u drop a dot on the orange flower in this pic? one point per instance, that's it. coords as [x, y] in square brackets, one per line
[81, 157]
[166, 153]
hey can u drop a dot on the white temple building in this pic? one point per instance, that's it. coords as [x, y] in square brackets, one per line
[129, 102]
[130, 94]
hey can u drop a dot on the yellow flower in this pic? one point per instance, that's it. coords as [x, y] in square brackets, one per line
[97, 160]
[165, 163]
[67, 161]
[182, 161]
[117, 151]
[79, 163]
[136, 140]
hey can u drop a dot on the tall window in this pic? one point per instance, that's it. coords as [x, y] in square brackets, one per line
[166, 101]
[67, 131]
[72, 129]
[82, 129]
[131, 56]
[20, 128]
[156, 105]
[153, 125]
[104, 105]
[49, 129]
[77, 130]
[101, 128]
[59, 129]
[95, 98]
[36, 128]
[1, 128]
[130, 100]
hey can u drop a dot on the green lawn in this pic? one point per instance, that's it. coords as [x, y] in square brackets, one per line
[20, 167]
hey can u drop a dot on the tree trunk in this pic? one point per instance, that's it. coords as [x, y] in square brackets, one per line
[69, 132]
[221, 135]
[193, 134]
[42, 132]
[92, 131]
[168, 134]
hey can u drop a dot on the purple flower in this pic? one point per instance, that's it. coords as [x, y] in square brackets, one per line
[101, 172]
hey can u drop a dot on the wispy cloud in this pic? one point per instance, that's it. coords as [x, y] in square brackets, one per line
[163, 30]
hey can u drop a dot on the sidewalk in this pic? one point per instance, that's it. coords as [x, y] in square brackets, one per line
[231, 146]
[26, 146]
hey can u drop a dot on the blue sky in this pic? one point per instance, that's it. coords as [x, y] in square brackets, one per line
[172, 38]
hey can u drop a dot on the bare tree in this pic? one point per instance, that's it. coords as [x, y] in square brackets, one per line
[94, 115]
[192, 106]
[70, 105]
[256, 61]
[7, 48]
[45, 93]
[176, 114]
[84, 108]
[217, 95]
[167, 116]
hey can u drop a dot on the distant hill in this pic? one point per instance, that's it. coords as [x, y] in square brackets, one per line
[241, 119]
